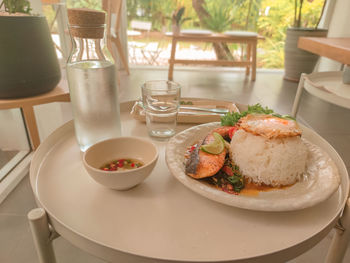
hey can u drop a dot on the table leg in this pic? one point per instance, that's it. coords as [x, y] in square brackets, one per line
[253, 47]
[298, 95]
[341, 238]
[42, 235]
[29, 118]
[249, 53]
[171, 60]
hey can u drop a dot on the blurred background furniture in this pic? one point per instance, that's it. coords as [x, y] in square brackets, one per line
[60, 18]
[334, 48]
[327, 86]
[113, 9]
[58, 94]
[234, 37]
[142, 27]
[337, 49]
[151, 52]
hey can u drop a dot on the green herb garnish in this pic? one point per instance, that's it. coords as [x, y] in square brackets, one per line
[237, 180]
[230, 119]
[221, 178]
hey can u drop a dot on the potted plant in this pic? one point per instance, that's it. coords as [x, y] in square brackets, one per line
[28, 60]
[297, 61]
[177, 20]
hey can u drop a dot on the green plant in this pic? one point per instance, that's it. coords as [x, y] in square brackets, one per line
[177, 18]
[298, 7]
[220, 18]
[16, 6]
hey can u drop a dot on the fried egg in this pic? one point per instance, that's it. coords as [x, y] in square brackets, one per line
[269, 126]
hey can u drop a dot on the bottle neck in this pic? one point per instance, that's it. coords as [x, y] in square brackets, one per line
[85, 49]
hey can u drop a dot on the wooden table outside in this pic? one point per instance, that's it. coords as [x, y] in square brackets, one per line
[249, 62]
[58, 94]
[334, 48]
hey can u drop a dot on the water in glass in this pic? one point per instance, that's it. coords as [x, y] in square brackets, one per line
[161, 100]
[161, 118]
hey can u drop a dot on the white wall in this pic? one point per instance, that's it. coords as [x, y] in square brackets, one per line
[339, 27]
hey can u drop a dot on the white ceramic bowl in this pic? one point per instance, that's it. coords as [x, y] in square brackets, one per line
[120, 148]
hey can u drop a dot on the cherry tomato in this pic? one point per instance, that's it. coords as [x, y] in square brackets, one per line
[193, 147]
[226, 169]
[232, 131]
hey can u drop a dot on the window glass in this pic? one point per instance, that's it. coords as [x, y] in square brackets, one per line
[14, 144]
[269, 18]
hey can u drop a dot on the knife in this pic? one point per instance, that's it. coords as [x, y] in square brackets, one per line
[200, 113]
[215, 110]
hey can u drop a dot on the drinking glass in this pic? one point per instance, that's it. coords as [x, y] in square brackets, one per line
[161, 101]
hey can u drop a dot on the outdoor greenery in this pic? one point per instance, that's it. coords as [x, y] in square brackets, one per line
[93, 4]
[177, 16]
[16, 6]
[270, 18]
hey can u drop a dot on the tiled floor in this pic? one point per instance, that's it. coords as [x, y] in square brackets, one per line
[330, 121]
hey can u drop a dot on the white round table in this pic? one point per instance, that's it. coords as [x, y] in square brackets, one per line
[161, 220]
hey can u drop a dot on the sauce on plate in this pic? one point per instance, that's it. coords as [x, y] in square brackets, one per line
[122, 165]
[251, 189]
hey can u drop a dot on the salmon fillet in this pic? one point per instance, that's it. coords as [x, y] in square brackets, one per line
[201, 164]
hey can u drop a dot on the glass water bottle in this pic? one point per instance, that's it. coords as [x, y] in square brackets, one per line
[91, 77]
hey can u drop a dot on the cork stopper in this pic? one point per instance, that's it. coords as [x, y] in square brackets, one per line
[86, 23]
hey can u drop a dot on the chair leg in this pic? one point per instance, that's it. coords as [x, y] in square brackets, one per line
[29, 117]
[253, 77]
[147, 58]
[121, 54]
[298, 95]
[341, 238]
[249, 51]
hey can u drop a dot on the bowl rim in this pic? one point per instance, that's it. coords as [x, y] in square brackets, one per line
[125, 171]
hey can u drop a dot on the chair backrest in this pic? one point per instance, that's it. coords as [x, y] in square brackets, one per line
[113, 9]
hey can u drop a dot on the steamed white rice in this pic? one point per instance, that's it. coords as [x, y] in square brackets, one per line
[276, 162]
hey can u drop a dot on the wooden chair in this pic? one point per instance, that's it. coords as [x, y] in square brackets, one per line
[151, 53]
[113, 8]
[61, 19]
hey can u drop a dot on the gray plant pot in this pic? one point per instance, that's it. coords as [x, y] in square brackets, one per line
[28, 60]
[297, 61]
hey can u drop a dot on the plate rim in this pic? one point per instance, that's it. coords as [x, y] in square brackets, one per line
[205, 190]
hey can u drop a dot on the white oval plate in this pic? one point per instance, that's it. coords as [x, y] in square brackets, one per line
[321, 182]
